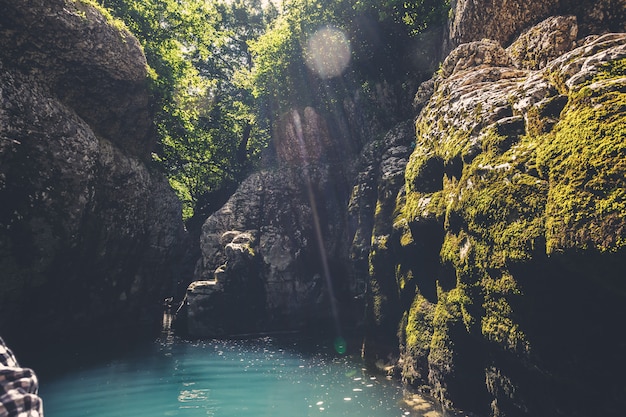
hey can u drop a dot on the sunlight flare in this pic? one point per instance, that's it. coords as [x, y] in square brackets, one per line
[297, 122]
[328, 52]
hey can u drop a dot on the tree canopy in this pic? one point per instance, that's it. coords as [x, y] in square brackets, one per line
[208, 135]
[223, 71]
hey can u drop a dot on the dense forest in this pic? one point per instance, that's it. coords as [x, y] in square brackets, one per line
[224, 71]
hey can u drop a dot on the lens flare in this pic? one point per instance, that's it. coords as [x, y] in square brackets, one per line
[299, 133]
[328, 52]
[341, 345]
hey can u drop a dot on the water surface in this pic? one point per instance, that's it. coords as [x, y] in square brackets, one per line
[222, 378]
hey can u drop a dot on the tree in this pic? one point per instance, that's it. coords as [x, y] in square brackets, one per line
[224, 71]
[208, 137]
[378, 33]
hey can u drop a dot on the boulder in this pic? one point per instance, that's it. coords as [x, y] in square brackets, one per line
[88, 62]
[547, 40]
[503, 21]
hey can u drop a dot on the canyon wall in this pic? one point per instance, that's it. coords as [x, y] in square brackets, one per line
[89, 231]
[516, 190]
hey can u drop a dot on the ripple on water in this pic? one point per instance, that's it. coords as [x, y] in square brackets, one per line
[240, 378]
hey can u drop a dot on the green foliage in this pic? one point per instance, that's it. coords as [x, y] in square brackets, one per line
[417, 15]
[280, 77]
[119, 24]
[223, 73]
[276, 76]
[208, 135]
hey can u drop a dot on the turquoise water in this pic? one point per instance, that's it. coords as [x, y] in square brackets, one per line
[222, 378]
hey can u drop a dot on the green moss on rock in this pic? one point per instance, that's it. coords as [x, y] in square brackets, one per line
[419, 326]
[503, 207]
[498, 323]
[585, 162]
[551, 178]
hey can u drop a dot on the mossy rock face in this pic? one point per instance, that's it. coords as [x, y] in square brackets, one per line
[383, 297]
[416, 332]
[550, 39]
[585, 162]
[524, 171]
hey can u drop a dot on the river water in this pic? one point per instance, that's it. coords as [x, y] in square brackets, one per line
[221, 378]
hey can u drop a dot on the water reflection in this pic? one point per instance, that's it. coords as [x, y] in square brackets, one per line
[235, 378]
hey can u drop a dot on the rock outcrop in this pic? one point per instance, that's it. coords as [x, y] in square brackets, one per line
[504, 20]
[501, 21]
[510, 239]
[270, 256]
[284, 253]
[380, 180]
[88, 231]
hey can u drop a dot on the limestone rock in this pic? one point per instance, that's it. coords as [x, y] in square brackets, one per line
[303, 139]
[503, 21]
[598, 16]
[371, 207]
[483, 53]
[88, 232]
[515, 190]
[273, 247]
[259, 250]
[89, 64]
[544, 42]
[307, 259]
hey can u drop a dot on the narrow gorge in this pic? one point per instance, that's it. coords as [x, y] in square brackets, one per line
[464, 231]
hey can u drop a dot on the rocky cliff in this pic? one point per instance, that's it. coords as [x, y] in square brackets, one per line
[516, 186]
[480, 248]
[269, 254]
[504, 20]
[88, 230]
